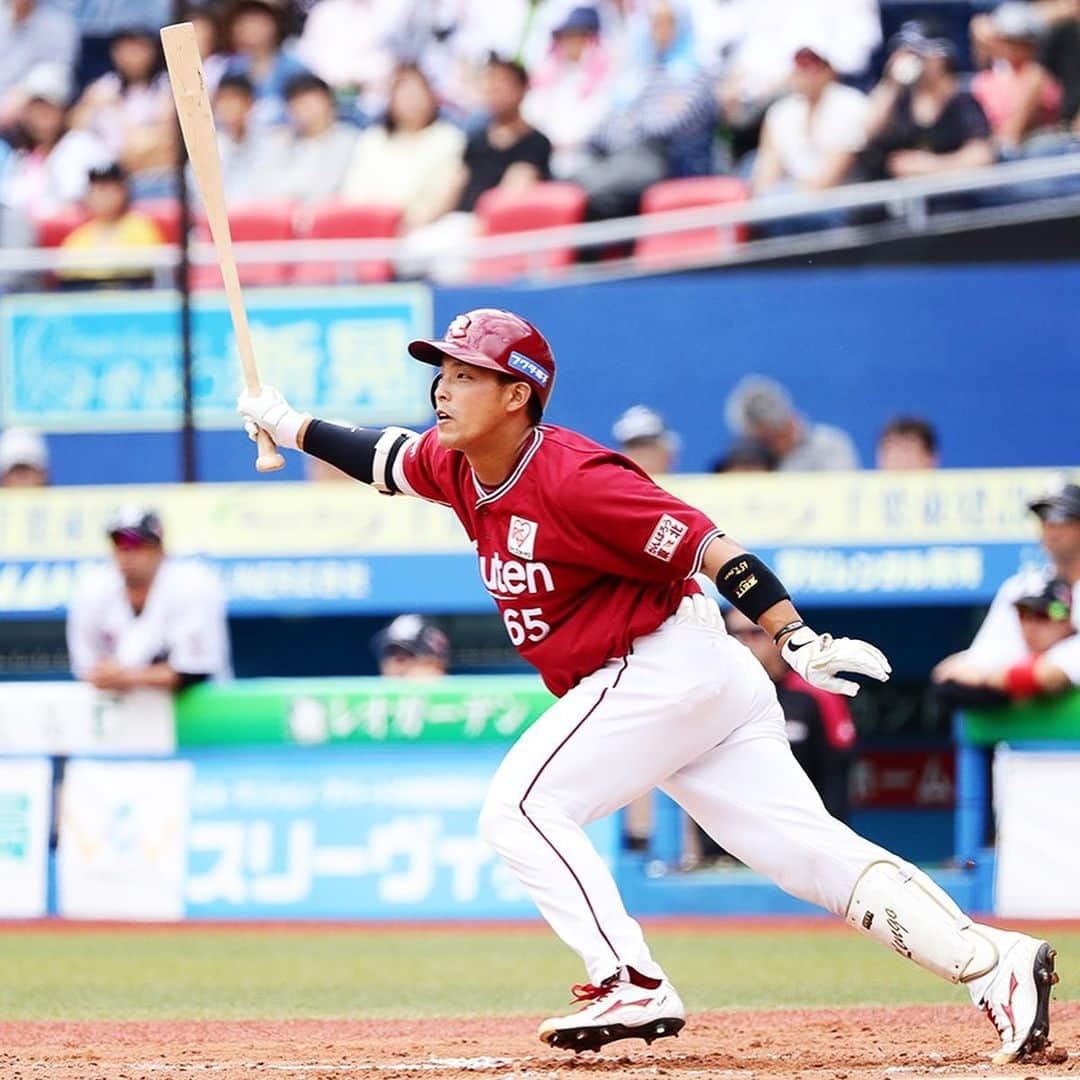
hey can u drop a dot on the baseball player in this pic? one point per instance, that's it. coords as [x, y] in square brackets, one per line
[591, 566]
[146, 619]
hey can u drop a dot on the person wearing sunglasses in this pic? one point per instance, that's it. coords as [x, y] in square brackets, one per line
[147, 619]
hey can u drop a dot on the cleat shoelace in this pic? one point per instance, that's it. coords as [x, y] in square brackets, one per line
[586, 992]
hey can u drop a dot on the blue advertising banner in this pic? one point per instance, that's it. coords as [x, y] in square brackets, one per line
[110, 361]
[380, 834]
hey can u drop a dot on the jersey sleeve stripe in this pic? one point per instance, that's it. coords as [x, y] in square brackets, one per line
[397, 468]
[699, 555]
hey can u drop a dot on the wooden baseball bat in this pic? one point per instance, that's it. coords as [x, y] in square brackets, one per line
[200, 138]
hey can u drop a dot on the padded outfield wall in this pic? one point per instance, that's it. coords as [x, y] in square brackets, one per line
[990, 354]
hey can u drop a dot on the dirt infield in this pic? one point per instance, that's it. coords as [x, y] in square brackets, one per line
[823, 1044]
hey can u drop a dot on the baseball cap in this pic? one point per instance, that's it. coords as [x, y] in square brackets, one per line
[1061, 504]
[1016, 21]
[48, 81]
[641, 424]
[579, 20]
[922, 38]
[135, 524]
[413, 635]
[1051, 598]
[23, 446]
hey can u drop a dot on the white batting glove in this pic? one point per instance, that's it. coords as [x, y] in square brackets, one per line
[270, 411]
[818, 658]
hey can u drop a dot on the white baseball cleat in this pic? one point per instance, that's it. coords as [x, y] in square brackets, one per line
[626, 1005]
[1016, 995]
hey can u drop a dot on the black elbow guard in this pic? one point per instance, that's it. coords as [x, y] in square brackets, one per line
[750, 586]
[366, 454]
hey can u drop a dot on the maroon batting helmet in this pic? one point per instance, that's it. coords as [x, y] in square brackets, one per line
[497, 340]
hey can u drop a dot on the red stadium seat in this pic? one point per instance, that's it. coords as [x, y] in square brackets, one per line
[343, 221]
[688, 193]
[538, 206]
[52, 231]
[166, 215]
[256, 221]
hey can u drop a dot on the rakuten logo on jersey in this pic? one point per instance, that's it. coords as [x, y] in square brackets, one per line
[509, 577]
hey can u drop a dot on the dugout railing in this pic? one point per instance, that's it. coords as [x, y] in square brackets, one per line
[1041, 189]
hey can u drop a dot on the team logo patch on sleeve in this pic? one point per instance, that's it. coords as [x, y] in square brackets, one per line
[665, 538]
[521, 539]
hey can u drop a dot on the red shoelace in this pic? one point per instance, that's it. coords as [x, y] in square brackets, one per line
[588, 992]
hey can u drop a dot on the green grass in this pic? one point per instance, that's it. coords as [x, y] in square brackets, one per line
[266, 973]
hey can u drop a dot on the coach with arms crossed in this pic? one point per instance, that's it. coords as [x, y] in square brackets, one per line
[146, 619]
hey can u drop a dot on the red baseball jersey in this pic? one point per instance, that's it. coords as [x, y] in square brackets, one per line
[579, 549]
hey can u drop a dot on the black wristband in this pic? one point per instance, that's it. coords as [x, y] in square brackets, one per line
[750, 586]
[787, 628]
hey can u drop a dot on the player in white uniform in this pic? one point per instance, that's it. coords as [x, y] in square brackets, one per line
[999, 644]
[147, 620]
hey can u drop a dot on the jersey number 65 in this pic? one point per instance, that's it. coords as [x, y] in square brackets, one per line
[524, 625]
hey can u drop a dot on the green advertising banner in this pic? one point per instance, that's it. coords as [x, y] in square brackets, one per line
[317, 712]
[1038, 720]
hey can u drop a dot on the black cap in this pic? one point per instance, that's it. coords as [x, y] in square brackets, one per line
[1051, 597]
[1057, 506]
[412, 635]
[136, 523]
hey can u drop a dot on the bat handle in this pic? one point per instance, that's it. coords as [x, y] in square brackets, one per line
[269, 459]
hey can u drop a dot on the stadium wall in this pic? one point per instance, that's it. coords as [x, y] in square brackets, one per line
[978, 350]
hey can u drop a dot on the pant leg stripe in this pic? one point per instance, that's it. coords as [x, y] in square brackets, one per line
[551, 757]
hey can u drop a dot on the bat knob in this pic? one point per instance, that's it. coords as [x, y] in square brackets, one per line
[269, 462]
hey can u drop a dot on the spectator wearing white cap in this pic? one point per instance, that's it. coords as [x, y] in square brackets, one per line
[146, 619]
[644, 438]
[31, 34]
[24, 458]
[48, 169]
[810, 137]
[1018, 94]
[760, 408]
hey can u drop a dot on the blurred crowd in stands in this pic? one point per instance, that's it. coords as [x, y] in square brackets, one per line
[427, 106]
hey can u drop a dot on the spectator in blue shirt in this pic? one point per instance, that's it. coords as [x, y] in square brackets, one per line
[661, 122]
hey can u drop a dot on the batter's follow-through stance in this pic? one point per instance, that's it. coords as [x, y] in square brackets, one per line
[591, 565]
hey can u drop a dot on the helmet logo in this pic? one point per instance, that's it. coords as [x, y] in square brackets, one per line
[529, 367]
[459, 327]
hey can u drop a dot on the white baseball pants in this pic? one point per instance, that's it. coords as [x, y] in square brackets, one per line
[691, 711]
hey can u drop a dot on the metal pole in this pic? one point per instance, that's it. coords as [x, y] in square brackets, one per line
[188, 464]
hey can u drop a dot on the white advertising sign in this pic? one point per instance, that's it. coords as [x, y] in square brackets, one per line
[25, 797]
[1038, 858]
[123, 839]
[74, 718]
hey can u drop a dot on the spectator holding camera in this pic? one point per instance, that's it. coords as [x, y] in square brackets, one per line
[921, 122]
